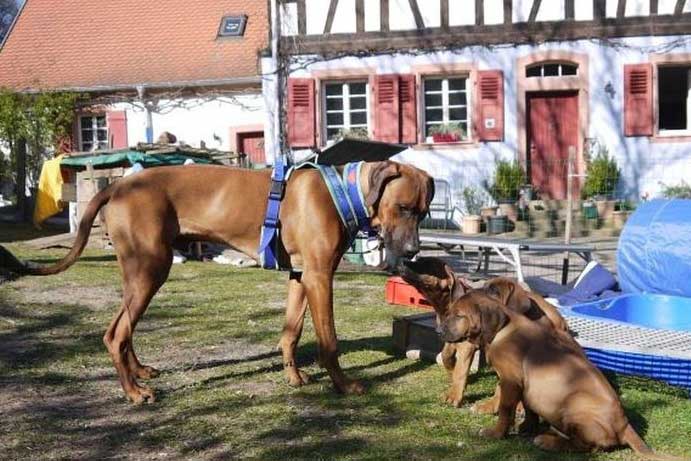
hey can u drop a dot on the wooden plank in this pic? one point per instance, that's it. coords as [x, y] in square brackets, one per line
[621, 9]
[479, 12]
[444, 13]
[653, 7]
[599, 9]
[302, 17]
[68, 192]
[330, 16]
[570, 8]
[360, 15]
[534, 9]
[508, 12]
[419, 23]
[384, 15]
[679, 7]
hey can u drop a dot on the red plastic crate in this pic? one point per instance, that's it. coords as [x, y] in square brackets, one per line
[398, 291]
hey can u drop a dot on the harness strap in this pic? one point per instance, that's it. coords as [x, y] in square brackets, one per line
[351, 179]
[270, 230]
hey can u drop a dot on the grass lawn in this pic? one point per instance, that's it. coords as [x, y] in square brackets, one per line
[212, 330]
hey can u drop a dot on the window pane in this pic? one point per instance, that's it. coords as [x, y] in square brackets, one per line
[359, 102]
[457, 99]
[568, 69]
[458, 114]
[101, 122]
[432, 85]
[551, 70]
[102, 135]
[432, 100]
[334, 119]
[434, 115]
[457, 84]
[673, 88]
[87, 135]
[533, 71]
[103, 145]
[86, 122]
[334, 104]
[358, 88]
[358, 118]
[334, 89]
[428, 127]
[86, 146]
[332, 132]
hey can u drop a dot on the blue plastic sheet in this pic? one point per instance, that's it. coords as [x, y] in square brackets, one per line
[654, 252]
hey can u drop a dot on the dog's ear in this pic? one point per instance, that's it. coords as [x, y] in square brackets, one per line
[379, 175]
[492, 318]
[500, 289]
[434, 279]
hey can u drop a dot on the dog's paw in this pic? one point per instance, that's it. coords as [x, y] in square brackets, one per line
[453, 398]
[297, 378]
[141, 394]
[491, 433]
[351, 387]
[486, 407]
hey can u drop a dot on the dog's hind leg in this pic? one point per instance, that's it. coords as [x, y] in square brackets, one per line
[143, 276]
[292, 330]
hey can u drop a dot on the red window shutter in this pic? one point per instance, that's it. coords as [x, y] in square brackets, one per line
[302, 128]
[116, 121]
[387, 126]
[638, 100]
[490, 105]
[408, 103]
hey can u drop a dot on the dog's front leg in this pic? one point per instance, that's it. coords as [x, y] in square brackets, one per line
[511, 394]
[459, 376]
[318, 286]
[292, 330]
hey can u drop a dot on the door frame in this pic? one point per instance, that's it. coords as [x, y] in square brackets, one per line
[579, 83]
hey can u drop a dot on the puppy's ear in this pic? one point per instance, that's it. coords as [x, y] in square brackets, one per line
[502, 290]
[379, 175]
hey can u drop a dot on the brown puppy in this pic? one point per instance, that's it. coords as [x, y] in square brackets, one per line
[547, 371]
[435, 279]
[147, 212]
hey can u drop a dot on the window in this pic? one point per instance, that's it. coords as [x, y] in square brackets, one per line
[93, 133]
[674, 91]
[447, 106]
[553, 69]
[232, 26]
[347, 108]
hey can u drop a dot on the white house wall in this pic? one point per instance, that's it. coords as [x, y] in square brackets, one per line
[197, 120]
[644, 163]
[461, 12]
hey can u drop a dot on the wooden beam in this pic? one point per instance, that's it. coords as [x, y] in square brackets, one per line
[444, 13]
[416, 13]
[302, 18]
[384, 15]
[599, 9]
[621, 9]
[679, 7]
[479, 12]
[360, 15]
[534, 10]
[570, 8]
[330, 16]
[653, 7]
[508, 12]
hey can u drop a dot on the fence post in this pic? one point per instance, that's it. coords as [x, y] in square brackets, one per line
[569, 212]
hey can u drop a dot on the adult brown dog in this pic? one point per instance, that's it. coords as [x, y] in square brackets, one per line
[147, 212]
[435, 279]
[548, 372]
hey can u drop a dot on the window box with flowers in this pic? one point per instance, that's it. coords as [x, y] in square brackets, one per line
[448, 132]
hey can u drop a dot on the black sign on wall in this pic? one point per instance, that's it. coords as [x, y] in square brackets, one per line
[233, 26]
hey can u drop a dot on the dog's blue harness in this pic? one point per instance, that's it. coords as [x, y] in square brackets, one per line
[346, 194]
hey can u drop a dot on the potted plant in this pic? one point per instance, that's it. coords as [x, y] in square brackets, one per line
[602, 176]
[681, 190]
[360, 133]
[509, 178]
[473, 201]
[447, 132]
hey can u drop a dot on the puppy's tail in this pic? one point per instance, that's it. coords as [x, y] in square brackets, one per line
[631, 438]
[9, 262]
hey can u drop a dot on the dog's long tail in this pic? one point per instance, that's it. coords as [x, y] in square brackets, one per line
[631, 438]
[9, 262]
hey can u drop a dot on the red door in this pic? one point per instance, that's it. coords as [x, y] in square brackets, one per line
[552, 130]
[252, 144]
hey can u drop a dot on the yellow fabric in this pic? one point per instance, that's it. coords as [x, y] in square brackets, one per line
[49, 191]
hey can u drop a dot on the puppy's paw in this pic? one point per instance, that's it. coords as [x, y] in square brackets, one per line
[486, 407]
[453, 398]
[491, 433]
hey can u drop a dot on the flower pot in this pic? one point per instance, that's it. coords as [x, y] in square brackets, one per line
[589, 211]
[471, 224]
[445, 137]
[497, 225]
[605, 208]
[488, 212]
[510, 210]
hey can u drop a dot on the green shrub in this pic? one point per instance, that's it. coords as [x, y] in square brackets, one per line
[509, 177]
[602, 176]
[473, 200]
[681, 190]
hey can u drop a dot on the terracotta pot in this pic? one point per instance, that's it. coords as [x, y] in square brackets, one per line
[510, 210]
[488, 212]
[472, 224]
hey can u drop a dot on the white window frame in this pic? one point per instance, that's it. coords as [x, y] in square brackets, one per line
[94, 129]
[345, 95]
[683, 132]
[560, 72]
[445, 103]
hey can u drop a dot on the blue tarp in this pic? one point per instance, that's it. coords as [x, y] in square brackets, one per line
[654, 254]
